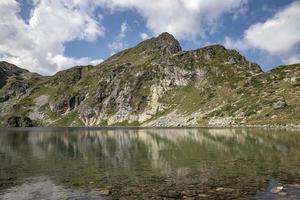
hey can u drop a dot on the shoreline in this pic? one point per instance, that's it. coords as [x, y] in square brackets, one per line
[288, 126]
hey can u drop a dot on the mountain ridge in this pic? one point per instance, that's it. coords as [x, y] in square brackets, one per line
[155, 83]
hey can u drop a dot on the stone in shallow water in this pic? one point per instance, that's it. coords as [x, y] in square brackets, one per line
[279, 104]
[202, 195]
[276, 189]
[104, 192]
[84, 198]
[189, 193]
[170, 194]
[224, 190]
[282, 193]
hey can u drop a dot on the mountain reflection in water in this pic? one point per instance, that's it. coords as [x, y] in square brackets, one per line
[108, 157]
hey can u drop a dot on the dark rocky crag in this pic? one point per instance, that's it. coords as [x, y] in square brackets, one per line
[154, 84]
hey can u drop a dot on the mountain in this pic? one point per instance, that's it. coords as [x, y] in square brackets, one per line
[154, 84]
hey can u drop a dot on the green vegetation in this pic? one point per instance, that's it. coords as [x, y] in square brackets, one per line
[156, 78]
[70, 119]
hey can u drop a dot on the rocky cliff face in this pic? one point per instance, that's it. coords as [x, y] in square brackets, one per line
[8, 70]
[155, 84]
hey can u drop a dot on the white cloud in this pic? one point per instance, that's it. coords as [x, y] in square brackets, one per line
[116, 46]
[241, 12]
[52, 23]
[278, 36]
[62, 61]
[124, 27]
[186, 19]
[294, 59]
[235, 44]
[119, 44]
[144, 36]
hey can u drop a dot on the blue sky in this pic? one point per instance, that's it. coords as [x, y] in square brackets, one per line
[46, 36]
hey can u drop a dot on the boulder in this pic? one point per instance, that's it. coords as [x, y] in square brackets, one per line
[19, 122]
[276, 189]
[66, 103]
[4, 98]
[101, 95]
[104, 192]
[279, 104]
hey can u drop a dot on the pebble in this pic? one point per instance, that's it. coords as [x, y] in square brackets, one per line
[277, 189]
[224, 189]
[171, 194]
[189, 193]
[104, 192]
[282, 193]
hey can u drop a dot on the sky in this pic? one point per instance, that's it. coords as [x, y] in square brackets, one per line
[46, 36]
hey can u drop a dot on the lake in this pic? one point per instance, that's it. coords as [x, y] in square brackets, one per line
[115, 163]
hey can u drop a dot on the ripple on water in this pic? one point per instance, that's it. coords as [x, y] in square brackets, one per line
[44, 188]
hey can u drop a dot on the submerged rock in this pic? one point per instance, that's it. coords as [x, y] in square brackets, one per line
[282, 193]
[276, 189]
[279, 104]
[84, 198]
[105, 192]
[171, 194]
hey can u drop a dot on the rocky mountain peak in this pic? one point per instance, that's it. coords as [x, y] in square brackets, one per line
[167, 43]
[8, 70]
[153, 84]
[217, 49]
[163, 45]
[218, 53]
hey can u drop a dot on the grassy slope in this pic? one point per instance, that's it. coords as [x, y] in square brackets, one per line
[230, 86]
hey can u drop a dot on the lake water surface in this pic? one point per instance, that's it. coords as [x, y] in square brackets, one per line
[82, 164]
